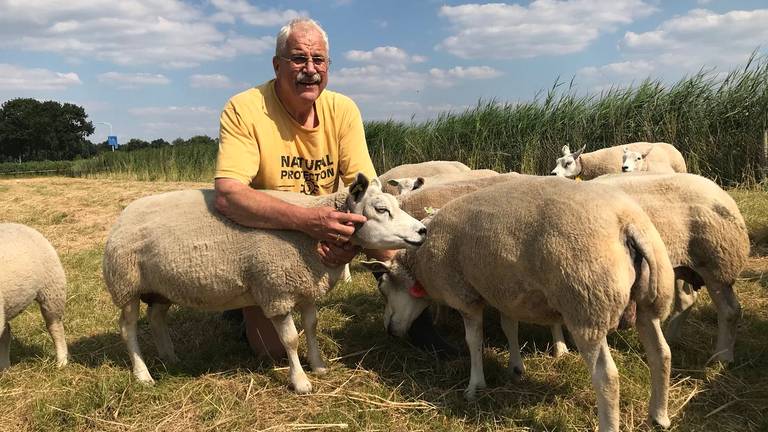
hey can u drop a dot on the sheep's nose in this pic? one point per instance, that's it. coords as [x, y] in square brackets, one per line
[553, 173]
[624, 169]
[422, 231]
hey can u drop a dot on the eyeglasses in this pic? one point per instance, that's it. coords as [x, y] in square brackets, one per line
[301, 60]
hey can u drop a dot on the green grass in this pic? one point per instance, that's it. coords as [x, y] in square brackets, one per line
[375, 382]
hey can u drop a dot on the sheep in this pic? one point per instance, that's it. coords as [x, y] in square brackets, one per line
[436, 196]
[409, 184]
[510, 246]
[424, 169]
[31, 270]
[175, 248]
[664, 158]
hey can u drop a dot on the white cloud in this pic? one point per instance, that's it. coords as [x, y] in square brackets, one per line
[168, 33]
[449, 77]
[133, 80]
[378, 79]
[210, 81]
[619, 74]
[175, 112]
[701, 38]
[544, 27]
[17, 78]
[231, 10]
[384, 55]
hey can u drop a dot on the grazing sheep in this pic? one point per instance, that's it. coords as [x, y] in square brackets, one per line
[664, 158]
[409, 184]
[424, 169]
[176, 248]
[511, 246]
[31, 270]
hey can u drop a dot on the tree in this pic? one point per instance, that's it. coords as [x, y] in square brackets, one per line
[34, 130]
[134, 144]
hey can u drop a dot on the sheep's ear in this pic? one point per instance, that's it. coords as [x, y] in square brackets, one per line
[418, 183]
[566, 150]
[626, 149]
[644, 154]
[359, 186]
[393, 182]
[375, 266]
[578, 152]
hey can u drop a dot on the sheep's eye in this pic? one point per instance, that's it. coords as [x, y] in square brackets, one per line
[567, 164]
[382, 210]
[639, 158]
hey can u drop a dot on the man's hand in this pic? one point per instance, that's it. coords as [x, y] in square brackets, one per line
[334, 255]
[330, 225]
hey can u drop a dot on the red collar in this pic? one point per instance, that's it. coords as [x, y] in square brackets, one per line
[417, 291]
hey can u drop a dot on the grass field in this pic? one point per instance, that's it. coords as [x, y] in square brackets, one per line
[375, 383]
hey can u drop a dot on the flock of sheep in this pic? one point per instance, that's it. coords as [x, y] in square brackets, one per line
[616, 250]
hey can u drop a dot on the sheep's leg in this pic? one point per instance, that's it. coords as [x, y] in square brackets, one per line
[346, 275]
[516, 366]
[473, 330]
[309, 321]
[605, 379]
[5, 342]
[286, 331]
[157, 314]
[659, 362]
[728, 314]
[685, 297]
[128, 328]
[56, 330]
[558, 341]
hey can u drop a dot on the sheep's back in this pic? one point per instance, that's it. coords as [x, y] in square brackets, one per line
[30, 267]
[177, 245]
[514, 244]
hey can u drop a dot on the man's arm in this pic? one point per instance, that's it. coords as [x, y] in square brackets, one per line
[256, 209]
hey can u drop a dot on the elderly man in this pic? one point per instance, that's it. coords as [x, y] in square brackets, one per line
[289, 134]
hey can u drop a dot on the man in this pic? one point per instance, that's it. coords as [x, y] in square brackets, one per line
[289, 134]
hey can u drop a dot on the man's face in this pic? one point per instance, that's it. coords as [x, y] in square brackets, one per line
[301, 84]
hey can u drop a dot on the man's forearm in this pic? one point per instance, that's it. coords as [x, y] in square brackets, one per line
[257, 209]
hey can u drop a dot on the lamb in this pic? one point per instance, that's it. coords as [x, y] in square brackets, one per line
[586, 166]
[174, 248]
[424, 169]
[31, 270]
[409, 184]
[519, 260]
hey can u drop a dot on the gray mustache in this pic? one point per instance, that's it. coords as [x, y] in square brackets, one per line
[306, 78]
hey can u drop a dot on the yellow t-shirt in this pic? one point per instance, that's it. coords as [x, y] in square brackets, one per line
[262, 145]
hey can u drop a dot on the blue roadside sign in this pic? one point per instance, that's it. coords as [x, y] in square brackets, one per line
[112, 141]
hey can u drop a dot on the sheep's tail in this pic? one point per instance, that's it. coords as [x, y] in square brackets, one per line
[647, 280]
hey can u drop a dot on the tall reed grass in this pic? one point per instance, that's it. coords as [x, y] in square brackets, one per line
[717, 120]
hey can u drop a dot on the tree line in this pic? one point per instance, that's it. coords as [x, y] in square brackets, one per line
[31, 130]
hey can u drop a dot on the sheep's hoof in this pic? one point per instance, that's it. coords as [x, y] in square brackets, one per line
[145, 379]
[517, 374]
[320, 370]
[62, 362]
[661, 422]
[301, 386]
[559, 349]
[470, 394]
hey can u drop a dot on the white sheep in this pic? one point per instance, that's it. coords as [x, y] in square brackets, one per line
[511, 246]
[407, 185]
[30, 270]
[424, 169]
[176, 248]
[664, 158]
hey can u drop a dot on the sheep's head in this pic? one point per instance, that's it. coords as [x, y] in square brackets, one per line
[569, 165]
[407, 184]
[405, 298]
[634, 161]
[387, 227]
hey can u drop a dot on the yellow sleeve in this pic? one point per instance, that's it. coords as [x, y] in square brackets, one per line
[238, 156]
[353, 150]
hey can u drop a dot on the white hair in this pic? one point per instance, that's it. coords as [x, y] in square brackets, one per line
[285, 32]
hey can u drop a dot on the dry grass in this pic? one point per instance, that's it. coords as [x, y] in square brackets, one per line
[375, 382]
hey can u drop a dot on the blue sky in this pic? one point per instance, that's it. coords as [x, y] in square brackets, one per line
[165, 68]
